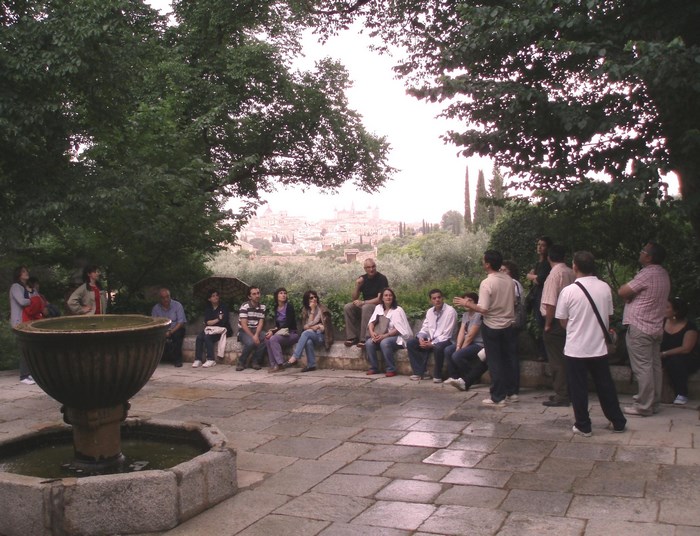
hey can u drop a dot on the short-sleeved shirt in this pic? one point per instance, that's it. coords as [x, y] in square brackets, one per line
[652, 287]
[373, 286]
[251, 314]
[176, 312]
[497, 296]
[560, 277]
[469, 320]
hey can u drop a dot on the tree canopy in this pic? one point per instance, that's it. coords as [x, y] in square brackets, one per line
[556, 90]
[124, 138]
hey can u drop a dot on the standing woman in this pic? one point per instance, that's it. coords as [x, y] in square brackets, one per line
[284, 334]
[388, 330]
[678, 345]
[318, 328]
[89, 299]
[20, 297]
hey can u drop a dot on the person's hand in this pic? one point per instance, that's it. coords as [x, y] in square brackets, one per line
[376, 338]
[547, 328]
[359, 281]
[86, 309]
[268, 335]
[256, 339]
[358, 303]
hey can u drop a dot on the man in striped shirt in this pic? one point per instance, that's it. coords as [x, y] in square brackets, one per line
[646, 296]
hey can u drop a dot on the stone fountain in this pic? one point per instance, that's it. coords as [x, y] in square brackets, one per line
[93, 365]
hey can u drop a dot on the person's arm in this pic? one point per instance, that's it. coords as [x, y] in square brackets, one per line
[626, 292]
[460, 336]
[356, 291]
[690, 339]
[549, 317]
[259, 327]
[17, 293]
[75, 302]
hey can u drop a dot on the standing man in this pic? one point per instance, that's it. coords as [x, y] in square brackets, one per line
[434, 336]
[537, 277]
[497, 308]
[585, 347]
[359, 311]
[251, 320]
[554, 335]
[172, 309]
[646, 296]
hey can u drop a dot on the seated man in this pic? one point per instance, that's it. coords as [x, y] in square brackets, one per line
[172, 309]
[434, 336]
[466, 360]
[251, 318]
[359, 311]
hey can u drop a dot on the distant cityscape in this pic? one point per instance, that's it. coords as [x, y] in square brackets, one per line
[290, 235]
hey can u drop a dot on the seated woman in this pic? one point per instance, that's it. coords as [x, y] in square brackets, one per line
[216, 328]
[388, 330]
[284, 334]
[318, 328]
[677, 348]
[464, 364]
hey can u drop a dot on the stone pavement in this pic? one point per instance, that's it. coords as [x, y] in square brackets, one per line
[338, 453]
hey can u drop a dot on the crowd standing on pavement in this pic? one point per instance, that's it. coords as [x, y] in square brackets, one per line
[572, 306]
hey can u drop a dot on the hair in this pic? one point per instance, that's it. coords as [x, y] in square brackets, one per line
[210, 292]
[680, 307]
[546, 240]
[435, 291]
[90, 268]
[585, 262]
[394, 301]
[473, 295]
[276, 295]
[657, 252]
[251, 289]
[307, 295]
[556, 253]
[17, 273]
[494, 259]
[512, 268]
[32, 282]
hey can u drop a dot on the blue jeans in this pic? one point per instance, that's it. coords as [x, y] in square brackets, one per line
[204, 341]
[387, 346]
[309, 338]
[465, 363]
[419, 357]
[249, 347]
[501, 358]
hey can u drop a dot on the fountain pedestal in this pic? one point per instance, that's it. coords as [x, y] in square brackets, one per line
[96, 435]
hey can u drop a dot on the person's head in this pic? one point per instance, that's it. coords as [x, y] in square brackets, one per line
[510, 268]
[556, 253]
[91, 274]
[280, 296]
[584, 262]
[493, 260]
[213, 297]
[389, 298]
[542, 245]
[310, 296]
[254, 294]
[33, 283]
[677, 309]
[164, 298]
[370, 267]
[436, 298]
[20, 275]
[652, 253]
[471, 296]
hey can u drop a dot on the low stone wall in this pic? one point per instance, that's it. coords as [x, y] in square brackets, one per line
[533, 374]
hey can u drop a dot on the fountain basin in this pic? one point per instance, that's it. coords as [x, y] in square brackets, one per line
[129, 503]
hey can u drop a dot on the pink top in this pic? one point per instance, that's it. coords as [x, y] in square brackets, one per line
[646, 310]
[560, 277]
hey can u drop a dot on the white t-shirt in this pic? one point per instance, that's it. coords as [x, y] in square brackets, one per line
[584, 336]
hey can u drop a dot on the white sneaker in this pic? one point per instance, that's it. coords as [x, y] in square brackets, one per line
[635, 397]
[681, 400]
[28, 381]
[414, 377]
[576, 431]
[197, 364]
[490, 402]
[457, 383]
[209, 363]
[437, 380]
[513, 398]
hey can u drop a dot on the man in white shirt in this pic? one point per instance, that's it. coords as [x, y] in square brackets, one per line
[434, 336]
[585, 347]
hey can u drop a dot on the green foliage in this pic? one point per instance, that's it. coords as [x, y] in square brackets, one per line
[452, 221]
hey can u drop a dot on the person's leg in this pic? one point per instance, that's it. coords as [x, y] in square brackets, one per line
[640, 348]
[177, 340]
[371, 349]
[248, 347]
[274, 350]
[510, 360]
[313, 340]
[23, 368]
[577, 379]
[439, 358]
[367, 311]
[656, 369]
[493, 343]
[259, 352]
[416, 356]
[474, 368]
[199, 346]
[607, 394]
[352, 321]
[452, 370]
[388, 346]
[209, 341]
[554, 341]
[677, 368]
